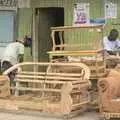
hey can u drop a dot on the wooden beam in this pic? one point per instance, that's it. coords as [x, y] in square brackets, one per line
[35, 89]
[89, 26]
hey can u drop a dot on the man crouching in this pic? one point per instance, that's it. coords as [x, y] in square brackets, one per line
[13, 54]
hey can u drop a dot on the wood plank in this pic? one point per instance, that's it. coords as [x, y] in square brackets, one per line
[77, 106]
[40, 81]
[72, 45]
[98, 75]
[53, 73]
[66, 100]
[74, 53]
[48, 77]
[51, 82]
[80, 86]
[111, 115]
[35, 89]
[89, 26]
[96, 67]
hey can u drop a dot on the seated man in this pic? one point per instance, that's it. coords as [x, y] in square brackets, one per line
[111, 45]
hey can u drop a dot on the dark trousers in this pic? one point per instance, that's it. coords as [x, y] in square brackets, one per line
[6, 65]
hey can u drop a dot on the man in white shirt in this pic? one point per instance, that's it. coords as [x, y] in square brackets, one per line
[111, 47]
[13, 54]
[111, 43]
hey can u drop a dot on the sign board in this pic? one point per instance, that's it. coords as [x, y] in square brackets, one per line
[110, 10]
[81, 13]
[8, 3]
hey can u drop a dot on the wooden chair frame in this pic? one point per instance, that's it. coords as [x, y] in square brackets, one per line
[61, 30]
[99, 69]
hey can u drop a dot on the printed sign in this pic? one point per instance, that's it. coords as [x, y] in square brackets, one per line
[110, 10]
[8, 3]
[81, 13]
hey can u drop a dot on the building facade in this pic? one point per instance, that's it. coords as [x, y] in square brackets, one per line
[37, 16]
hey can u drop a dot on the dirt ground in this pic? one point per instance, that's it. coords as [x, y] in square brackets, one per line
[19, 116]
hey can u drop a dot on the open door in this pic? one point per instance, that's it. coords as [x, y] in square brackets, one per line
[48, 17]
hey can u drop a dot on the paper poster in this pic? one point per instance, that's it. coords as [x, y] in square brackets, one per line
[81, 13]
[110, 10]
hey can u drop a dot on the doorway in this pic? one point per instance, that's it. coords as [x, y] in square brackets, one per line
[48, 17]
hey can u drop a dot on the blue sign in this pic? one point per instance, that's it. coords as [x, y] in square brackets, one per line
[97, 21]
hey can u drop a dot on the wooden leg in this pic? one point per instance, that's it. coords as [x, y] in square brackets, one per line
[16, 90]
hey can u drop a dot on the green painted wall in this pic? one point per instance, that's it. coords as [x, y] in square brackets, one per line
[24, 21]
[47, 3]
[24, 27]
[113, 23]
[70, 37]
[96, 11]
[68, 7]
[81, 36]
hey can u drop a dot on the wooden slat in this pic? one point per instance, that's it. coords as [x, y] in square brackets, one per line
[35, 89]
[75, 53]
[47, 77]
[96, 67]
[98, 75]
[72, 45]
[40, 81]
[3, 78]
[55, 74]
[89, 26]
[80, 86]
[79, 104]
[78, 82]
[111, 115]
[51, 82]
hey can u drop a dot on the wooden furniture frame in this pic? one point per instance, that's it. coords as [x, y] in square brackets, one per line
[98, 67]
[112, 60]
[61, 30]
[55, 92]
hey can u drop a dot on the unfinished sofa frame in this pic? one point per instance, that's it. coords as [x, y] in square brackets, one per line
[54, 92]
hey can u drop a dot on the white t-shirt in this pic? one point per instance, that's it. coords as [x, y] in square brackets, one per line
[110, 45]
[12, 51]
